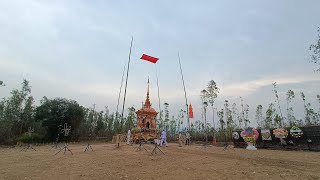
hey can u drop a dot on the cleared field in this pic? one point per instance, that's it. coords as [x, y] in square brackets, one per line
[187, 162]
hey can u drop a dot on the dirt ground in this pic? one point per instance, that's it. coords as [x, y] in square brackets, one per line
[187, 162]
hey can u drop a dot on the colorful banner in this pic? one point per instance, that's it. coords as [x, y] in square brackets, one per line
[266, 135]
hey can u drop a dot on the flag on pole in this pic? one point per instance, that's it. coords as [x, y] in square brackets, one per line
[149, 58]
[190, 111]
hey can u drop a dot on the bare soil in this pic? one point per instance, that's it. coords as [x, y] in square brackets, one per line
[187, 162]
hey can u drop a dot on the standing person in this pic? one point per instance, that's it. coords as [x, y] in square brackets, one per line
[187, 138]
[164, 138]
[128, 136]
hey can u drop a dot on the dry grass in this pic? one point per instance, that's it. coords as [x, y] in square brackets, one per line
[192, 162]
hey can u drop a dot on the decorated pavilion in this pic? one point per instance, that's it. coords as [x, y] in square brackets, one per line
[146, 120]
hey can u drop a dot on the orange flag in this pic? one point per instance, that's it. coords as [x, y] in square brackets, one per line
[190, 111]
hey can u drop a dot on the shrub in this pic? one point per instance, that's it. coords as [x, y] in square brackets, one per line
[34, 138]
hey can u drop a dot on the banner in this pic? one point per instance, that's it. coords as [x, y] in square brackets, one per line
[190, 111]
[266, 135]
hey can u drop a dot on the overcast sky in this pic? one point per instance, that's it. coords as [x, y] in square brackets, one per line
[77, 50]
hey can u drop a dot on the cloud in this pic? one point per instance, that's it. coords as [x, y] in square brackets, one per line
[248, 87]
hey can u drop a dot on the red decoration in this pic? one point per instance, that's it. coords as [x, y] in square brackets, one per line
[149, 58]
[190, 111]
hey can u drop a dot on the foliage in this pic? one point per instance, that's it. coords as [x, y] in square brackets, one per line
[259, 115]
[33, 138]
[235, 115]
[181, 116]
[166, 116]
[241, 119]
[270, 113]
[16, 112]
[246, 117]
[311, 116]
[220, 114]
[315, 48]
[172, 127]
[56, 112]
[279, 121]
[212, 93]
[290, 115]
[131, 118]
[230, 124]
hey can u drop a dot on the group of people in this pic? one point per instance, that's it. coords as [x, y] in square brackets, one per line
[187, 138]
[163, 139]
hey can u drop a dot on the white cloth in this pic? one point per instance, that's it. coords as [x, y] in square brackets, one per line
[187, 135]
[164, 141]
[164, 138]
[128, 136]
[157, 141]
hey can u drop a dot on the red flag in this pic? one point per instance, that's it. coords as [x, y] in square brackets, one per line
[149, 58]
[190, 111]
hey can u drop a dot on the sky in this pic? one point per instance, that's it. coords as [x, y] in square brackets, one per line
[77, 49]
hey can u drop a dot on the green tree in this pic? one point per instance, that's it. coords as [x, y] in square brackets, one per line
[290, 114]
[181, 116]
[277, 120]
[306, 110]
[110, 124]
[259, 115]
[212, 94]
[100, 125]
[229, 120]
[166, 116]
[230, 125]
[269, 116]
[235, 115]
[280, 123]
[222, 133]
[315, 48]
[58, 111]
[204, 98]
[220, 114]
[173, 127]
[241, 119]
[131, 118]
[246, 117]
[17, 112]
[205, 105]
[312, 115]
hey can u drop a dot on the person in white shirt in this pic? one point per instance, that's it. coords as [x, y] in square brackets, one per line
[187, 138]
[164, 138]
[128, 136]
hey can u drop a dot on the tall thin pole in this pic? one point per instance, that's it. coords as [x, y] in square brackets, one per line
[117, 112]
[185, 93]
[125, 89]
[158, 92]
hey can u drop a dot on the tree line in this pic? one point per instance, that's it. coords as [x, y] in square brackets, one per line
[18, 113]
